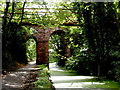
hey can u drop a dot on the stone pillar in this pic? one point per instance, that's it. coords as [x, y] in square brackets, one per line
[42, 52]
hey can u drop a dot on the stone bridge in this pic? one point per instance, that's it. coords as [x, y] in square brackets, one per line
[42, 40]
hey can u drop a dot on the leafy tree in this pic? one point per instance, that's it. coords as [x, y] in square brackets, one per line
[92, 34]
[100, 31]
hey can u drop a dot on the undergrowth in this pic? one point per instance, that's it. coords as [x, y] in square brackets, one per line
[43, 81]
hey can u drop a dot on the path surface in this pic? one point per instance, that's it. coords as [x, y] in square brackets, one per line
[17, 79]
[66, 80]
[61, 79]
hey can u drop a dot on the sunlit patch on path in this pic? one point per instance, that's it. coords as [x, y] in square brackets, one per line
[64, 79]
[16, 79]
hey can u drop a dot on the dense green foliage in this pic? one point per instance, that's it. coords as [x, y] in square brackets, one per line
[92, 35]
[14, 47]
[57, 49]
[53, 48]
[14, 38]
[43, 81]
[31, 49]
[99, 40]
[94, 44]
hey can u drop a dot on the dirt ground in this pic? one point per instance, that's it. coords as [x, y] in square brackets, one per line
[21, 79]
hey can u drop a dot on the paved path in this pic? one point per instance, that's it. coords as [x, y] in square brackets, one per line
[16, 79]
[64, 80]
[61, 79]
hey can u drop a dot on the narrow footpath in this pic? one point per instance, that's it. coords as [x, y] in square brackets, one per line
[21, 78]
[70, 80]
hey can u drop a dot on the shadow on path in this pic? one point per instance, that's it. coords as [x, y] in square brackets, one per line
[18, 79]
[65, 80]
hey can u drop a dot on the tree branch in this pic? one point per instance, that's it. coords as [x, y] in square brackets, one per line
[22, 12]
[5, 15]
[13, 9]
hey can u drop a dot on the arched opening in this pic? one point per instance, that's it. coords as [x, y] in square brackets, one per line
[31, 49]
[54, 43]
[57, 47]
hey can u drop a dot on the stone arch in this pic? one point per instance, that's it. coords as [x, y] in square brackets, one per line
[57, 32]
[42, 38]
[32, 37]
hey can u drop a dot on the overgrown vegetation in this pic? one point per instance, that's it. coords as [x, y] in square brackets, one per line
[57, 49]
[31, 49]
[43, 81]
[100, 37]
[91, 43]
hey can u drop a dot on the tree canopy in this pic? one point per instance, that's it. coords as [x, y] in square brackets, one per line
[92, 33]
